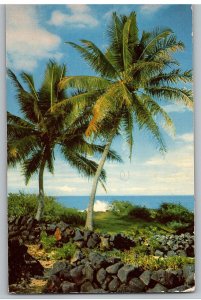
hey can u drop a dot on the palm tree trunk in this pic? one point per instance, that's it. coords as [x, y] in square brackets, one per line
[89, 220]
[40, 209]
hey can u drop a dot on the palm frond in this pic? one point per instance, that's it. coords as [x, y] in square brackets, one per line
[89, 83]
[172, 77]
[156, 36]
[145, 120]
[85, 166]
[155, 109]
[95, 57]
[31, 165]
[177, 95]
[127, 123]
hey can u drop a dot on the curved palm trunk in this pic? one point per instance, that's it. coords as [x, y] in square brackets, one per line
[40, 209]
[89, 220]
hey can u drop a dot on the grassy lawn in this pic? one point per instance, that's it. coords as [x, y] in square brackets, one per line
[107, 222]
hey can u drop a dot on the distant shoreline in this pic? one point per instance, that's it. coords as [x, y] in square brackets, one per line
[153, 202]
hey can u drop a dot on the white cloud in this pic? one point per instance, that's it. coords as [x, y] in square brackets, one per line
[149, 9]
[80, 16]
[175, 108]
[186, 137]
[26, 40]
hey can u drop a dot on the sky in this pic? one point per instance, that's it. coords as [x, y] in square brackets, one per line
[37, 33]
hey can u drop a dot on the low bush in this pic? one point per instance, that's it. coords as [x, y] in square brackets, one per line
[149, 262]
[169, 212]
[66, 252]
[121, 208]
[140, 212]
[48, 242]
[26, 204]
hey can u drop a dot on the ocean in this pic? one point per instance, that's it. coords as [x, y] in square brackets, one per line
[102, 202]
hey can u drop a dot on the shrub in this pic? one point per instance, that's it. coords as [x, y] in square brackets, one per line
[21, 204]
[169, 212]
[26, 204]
[140, 213]
[66, 252]
[121, 208]
[149, 262]
[48, 242]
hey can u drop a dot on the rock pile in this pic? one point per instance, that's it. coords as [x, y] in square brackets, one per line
[29, 230]
[98, 274]
[21, 264]
[25, 228]
[172, 245]
[89, 239]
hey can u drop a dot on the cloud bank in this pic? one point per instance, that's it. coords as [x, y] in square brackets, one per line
[80, 15]
[27, 41]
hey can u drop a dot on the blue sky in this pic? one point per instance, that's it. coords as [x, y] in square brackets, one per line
[36, 33]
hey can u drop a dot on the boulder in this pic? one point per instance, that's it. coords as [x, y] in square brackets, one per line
[97, 260]
[145, 277]
[91, 243]
[159, 276]
[87, 287]
[188, 270]
[159, 288]
[51, 228]
[113, 269]
[78, 255]
[101, 276]
[190, 280]
[177, 289]
[88, 272]
[62, 225]
[122, 242]
[114, 284]
[136, 285]
[77, 274]
[57, 267]
[53, 284]
[78, 236]
[127, 271]
[64, 274]
[173, 278]
[68, 287]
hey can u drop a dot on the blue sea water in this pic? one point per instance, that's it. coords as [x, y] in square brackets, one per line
[81, 202]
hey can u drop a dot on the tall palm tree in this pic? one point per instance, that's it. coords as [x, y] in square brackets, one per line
[32, 138]
[135, 74]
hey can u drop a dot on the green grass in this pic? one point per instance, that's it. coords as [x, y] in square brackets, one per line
[107, 222]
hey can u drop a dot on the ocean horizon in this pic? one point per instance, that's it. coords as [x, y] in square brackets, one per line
[102, 202]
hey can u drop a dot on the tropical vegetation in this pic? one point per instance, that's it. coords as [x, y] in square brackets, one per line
[34, 137]
[136, 75]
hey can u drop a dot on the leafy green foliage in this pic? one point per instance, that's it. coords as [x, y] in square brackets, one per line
[174, 212]
[48, 242]
[140, 213]
[65, 252]
[138, 256]
[121, 208]
[26, 204]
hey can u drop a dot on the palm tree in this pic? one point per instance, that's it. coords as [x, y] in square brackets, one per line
[136, 73]
[32, 138]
